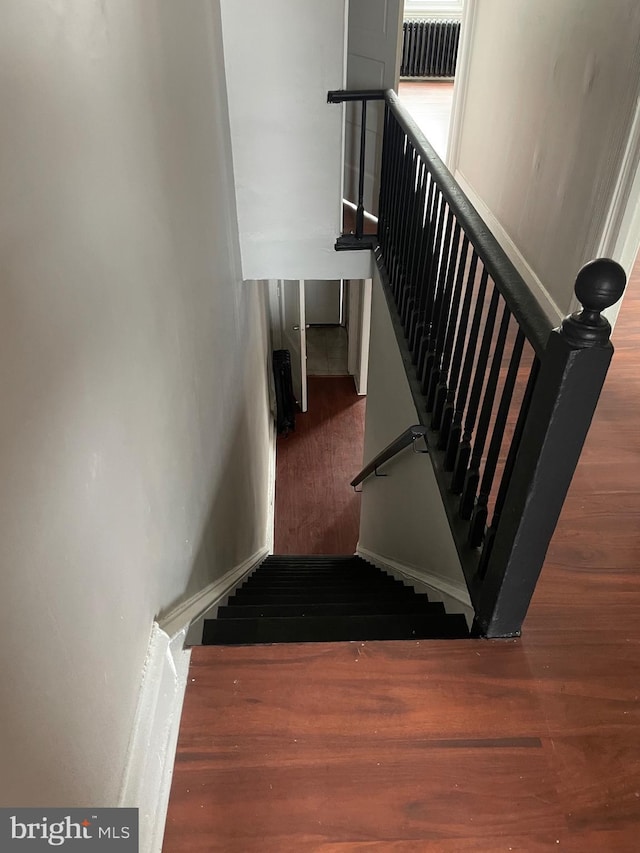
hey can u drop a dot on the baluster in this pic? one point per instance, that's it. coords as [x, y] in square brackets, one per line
[413, 248]
[363, 143]
[391, 262]
[441, 392]
[468, 347]
[402, 223]
[408, 316]
[435, 298]
[383, 200]
[396, 203]
[508, 467]
[472, 477]
[426, 227]
[406, 181]
[430, 373]
[432, 214]
[431, 278]
[464, 450]
[458, 356]
[405, 308]
[480, 512]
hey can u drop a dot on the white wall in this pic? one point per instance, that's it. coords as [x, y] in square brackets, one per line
[402, 517]
[546, 114]
[133, 416]
[282, 57]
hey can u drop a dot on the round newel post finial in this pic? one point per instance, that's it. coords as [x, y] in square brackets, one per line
[599, 285]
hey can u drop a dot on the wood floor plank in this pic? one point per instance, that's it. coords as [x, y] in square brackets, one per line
[317, 511]
[429, 103]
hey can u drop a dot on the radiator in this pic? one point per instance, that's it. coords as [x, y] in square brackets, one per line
[429, 48]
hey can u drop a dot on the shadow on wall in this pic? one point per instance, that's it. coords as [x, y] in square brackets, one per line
[234, 526]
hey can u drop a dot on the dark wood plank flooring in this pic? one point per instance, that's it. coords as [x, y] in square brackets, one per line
[317, 511]
[525, 745]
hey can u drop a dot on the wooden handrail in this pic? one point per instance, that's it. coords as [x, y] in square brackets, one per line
[405, 439]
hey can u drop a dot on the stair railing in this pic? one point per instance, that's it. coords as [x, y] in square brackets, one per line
[407, 438]
[506, 399]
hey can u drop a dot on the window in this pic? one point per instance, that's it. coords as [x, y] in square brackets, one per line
[452, 7]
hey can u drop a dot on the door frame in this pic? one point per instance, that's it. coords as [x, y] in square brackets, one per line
[359, 332]
[301, 328]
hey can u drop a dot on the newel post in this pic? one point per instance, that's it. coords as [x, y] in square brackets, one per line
[572, 372]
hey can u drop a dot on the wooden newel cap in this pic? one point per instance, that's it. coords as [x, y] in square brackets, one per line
[599, 285]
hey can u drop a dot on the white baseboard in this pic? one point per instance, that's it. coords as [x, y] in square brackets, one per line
[189, 611]
[152, 746]
[547, 303]
[149, 767]
[454, 597]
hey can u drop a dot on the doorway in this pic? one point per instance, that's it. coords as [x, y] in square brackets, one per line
[325, 326]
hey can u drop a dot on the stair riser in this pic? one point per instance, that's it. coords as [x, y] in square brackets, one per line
[320, 573]
[320, 629]
[362, 608]
[248, 597]
[280, 583]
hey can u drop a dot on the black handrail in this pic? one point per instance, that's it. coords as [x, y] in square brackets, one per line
[523, 304]
[405, 439]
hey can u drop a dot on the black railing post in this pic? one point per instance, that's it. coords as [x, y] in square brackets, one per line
[572, 372]
[363, 146]
[358, 240]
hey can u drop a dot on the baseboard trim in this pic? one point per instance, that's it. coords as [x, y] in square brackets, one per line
[152, 746]
[547, 302]
[439, 589]
[151, 754]
[186, 613]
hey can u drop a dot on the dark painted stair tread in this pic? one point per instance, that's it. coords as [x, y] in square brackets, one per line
[293, 596]
[305, 629]
[278, 580]
[311, 558]
[338, 571]
[322, 583]
[335, 608]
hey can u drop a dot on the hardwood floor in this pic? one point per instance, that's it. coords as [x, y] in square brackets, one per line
[430, 106]
[525, 745]
[317, 511]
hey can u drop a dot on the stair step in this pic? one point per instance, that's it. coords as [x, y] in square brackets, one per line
[312, 558]
[303, 629]
[282, 580]
[327, 565]
[320, 583]
[302, 596]
[317, 567]
[336, 608]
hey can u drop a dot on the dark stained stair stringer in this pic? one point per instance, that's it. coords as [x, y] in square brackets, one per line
[300, 599]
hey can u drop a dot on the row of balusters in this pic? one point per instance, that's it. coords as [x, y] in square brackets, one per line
[477, 370]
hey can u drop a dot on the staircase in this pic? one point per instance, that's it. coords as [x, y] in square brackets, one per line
[302, 599]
